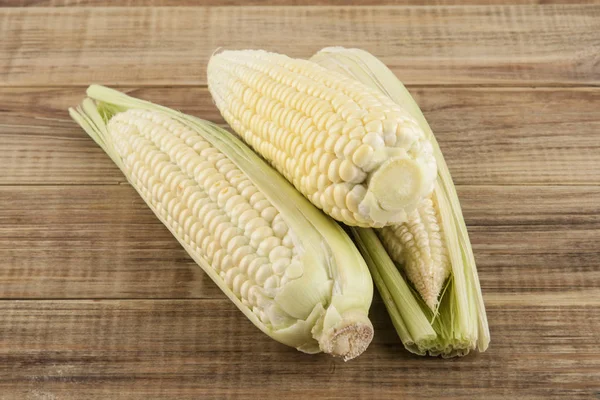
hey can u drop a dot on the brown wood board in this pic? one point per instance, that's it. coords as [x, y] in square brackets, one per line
[98, 300]
[550, 44]
[222, 3]
[489, 136]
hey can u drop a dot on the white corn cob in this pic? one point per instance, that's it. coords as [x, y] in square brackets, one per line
[418, 245]
[352, 151]
[290, 269]
[458, 322]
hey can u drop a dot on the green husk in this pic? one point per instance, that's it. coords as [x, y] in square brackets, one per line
[460, 324]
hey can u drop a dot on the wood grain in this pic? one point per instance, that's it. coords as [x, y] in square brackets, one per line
[98, 300]
[179, 349]
[103, 242]
[429, 45]
[221, 3]
[489, 136]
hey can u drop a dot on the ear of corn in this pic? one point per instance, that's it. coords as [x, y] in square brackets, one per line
[290, 269]
[419, 246]
[357, 155]
[458, 317]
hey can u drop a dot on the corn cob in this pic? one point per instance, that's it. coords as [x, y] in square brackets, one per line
[429, 247]
[290, 269]
[352, 151]
[418, 245]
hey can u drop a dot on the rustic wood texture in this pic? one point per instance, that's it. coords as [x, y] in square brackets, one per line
[489, 135]
[104, 242]
[178, 349]
[553, 44]
[222, 3]
[98, 301]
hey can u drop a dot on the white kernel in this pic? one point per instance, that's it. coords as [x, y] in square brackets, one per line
[330, 142]
[230, 275]
[244, 290]
[357, 133]
[247, 216]
[233, 201]
[339, 195]
[218, 259]
[280, 228]
[261, 205]
[375, 140]
[264, 272]
[254, 224]
[347, 216]
[322, 182]
[355, 197]
[288, 241]
[279, 252]
[335, 213]
[268, 244]
[280, 265]
[259, 234]
[245, 262]
[406, 135]
[350, 173]
[239, 253]
[256, 197]
[214, 222]
[255, 265]
[237, 211]
[324, 162]
[351, 148]
[216, 188]
[236, 242]
[211, 249]
[268, 213]
[221, 228]
[339, 146]
[333, 172]
[374, 126]
[212, 180]
[238, 280]
[389, 126]
[248, 191]
[200, 236]
[272, 282]
[362, 155]
[225, 194]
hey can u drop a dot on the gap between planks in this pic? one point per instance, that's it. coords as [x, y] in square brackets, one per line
[581, 298]
[125, 183]
[503, 86]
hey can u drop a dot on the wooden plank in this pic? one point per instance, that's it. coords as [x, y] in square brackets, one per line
[207, 349]
[550, 44]
[93, 242]
[488, 136]
[104, 242]
[205, 3]
[494, 206]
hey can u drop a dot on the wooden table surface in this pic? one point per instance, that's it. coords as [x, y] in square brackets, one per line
[98, 301]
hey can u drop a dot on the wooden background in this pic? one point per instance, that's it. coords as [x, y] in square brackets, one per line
[98, 301]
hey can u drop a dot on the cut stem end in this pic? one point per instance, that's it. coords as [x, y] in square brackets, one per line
[349, 338]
